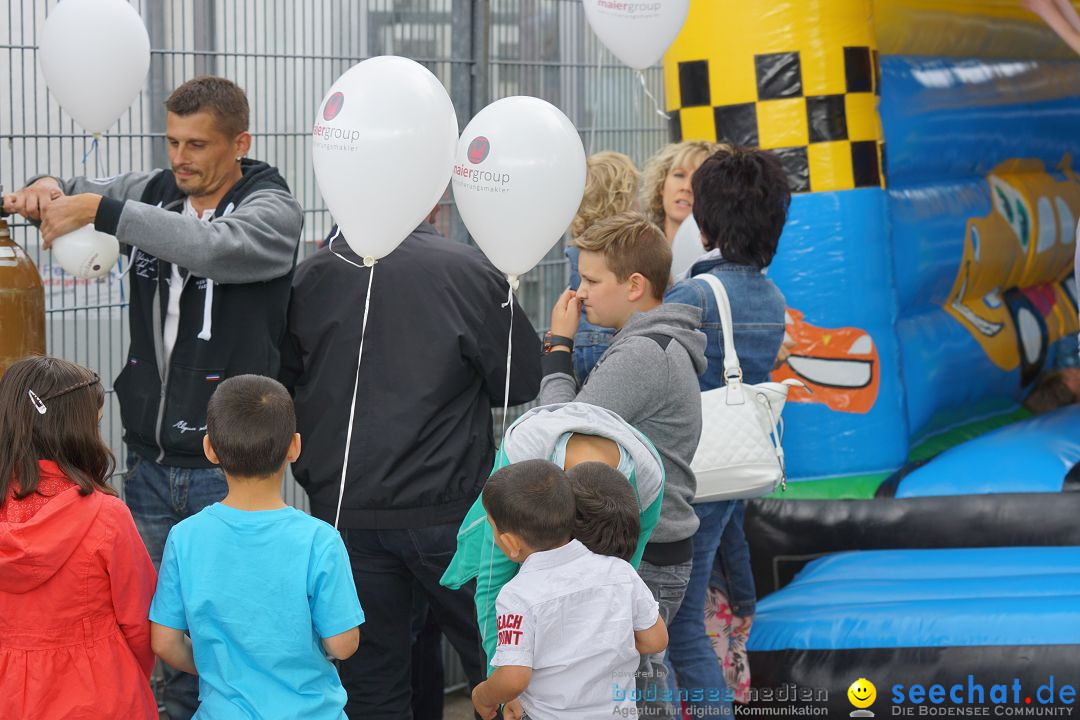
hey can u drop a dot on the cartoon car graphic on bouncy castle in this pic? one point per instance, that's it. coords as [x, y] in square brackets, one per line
[839, 365]
[1012, 289]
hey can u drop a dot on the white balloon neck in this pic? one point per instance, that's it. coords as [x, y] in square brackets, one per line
[369, 261]
[514, 282]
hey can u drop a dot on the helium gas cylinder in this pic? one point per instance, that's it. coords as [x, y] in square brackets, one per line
[22, 303]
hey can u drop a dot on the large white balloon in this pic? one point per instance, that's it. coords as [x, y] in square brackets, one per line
[518, 180]
[638, 33]
[86, 253]
[686, 247]
[383, 148]
[94, 55]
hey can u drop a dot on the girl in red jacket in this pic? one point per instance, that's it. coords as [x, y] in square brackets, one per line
[75, 578]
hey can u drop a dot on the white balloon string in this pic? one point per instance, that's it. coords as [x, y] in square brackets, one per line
[509, 349]
[356, 388]
[655, 102]
[330, 245]
[596, 97]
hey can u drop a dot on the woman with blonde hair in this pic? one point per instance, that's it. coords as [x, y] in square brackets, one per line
[666, 195]
[611, 187]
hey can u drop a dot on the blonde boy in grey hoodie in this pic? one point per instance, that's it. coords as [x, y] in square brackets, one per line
[649, 377]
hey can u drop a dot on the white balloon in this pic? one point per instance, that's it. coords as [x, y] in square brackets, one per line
[518, 180]
[686, 247]
[383, 148]
[86, 253]
[94, 55]
[637, 32]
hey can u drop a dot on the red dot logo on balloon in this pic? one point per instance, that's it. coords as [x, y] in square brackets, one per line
[333, 106]
[478, 150]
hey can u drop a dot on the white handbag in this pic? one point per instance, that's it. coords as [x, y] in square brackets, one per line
[739, 455]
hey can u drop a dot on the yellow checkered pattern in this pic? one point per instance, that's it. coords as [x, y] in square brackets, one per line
[799, 77]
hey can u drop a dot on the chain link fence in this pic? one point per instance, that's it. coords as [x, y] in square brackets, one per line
[286, 55]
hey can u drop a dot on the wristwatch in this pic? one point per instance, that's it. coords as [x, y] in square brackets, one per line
[554, 341]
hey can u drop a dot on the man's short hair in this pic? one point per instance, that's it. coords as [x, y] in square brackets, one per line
[216, 95]
[532, 499]
[631, 244]
[251, 422]
[607, 518]
[741, 198]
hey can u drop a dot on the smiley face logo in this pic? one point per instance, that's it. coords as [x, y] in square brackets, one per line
[862, 694]
[479, 149]
[333, 106]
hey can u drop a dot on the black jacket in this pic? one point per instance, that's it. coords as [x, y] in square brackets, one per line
[229, 325]
[434, 364]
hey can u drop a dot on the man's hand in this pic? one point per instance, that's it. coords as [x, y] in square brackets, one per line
[483, 708]
[566, 315]
[67, 213]
[32, 201]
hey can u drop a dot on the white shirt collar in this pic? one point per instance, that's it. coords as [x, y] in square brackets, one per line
[552, 558]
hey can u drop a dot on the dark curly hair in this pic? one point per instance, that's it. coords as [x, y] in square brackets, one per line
[741, 199]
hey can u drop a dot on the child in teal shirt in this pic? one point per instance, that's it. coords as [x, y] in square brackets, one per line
[552, 432]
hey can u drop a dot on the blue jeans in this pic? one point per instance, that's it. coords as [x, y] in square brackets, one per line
[159, 497]
[689, 648]
[667, 583]
[732, 573]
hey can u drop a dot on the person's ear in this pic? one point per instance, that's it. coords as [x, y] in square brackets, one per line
[513, 545]
[243, 144]
[637, 287]
[208, 450]
[294, 449]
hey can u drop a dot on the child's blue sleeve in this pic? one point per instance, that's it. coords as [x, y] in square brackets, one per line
[335, 607]
[167, 607]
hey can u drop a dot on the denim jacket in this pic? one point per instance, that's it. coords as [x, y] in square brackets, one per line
[757, 312]
[590, 341]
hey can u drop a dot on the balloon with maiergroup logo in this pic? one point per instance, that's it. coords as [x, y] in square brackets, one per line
[518, 179]
[638, 32]
[382, 145]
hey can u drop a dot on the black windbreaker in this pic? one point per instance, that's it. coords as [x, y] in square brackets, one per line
[434, 365]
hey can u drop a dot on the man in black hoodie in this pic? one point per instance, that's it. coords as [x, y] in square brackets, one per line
[433, 367]
[212, 246]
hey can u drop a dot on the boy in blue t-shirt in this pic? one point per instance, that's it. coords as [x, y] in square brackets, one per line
[264, 591]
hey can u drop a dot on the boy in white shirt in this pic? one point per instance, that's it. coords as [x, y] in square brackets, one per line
[572, 624]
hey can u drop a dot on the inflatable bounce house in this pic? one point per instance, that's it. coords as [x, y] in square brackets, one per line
[928, 267]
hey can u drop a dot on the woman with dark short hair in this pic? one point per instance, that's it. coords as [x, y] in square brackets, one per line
[741, 199]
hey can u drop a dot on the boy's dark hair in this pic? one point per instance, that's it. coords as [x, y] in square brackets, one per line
[251, 422]
[607, 518]
[741, 199]
[49, 411]
[532, 499]
[630, 244]
[218, 96]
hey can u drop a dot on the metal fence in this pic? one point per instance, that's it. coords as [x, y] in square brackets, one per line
[286, 54]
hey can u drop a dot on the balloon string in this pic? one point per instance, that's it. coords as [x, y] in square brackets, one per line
[330, 244]
[92, 148]
[655, 102]
[596, 96]
[356, 388]
[509, 349]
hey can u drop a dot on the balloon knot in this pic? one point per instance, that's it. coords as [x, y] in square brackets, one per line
[369, 261]
[514, 281]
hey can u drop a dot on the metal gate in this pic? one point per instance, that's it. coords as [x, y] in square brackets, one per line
[286, 54]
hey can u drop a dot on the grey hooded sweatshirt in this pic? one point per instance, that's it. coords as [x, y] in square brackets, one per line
[649, 377]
